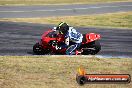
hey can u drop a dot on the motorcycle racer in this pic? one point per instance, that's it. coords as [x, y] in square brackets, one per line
[73, 39]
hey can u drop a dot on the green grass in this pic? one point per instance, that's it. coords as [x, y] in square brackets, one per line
[45, 2]
[116, 20]
[58, 72]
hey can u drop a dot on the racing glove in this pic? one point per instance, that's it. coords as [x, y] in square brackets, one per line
[54, 28]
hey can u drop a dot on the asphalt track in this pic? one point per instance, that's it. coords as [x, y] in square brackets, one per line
[18, 39]
[63, 10]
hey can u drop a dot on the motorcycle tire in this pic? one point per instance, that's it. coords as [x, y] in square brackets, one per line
[37, 49]
[92, 48]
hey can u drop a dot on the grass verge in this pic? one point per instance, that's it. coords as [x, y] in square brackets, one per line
[116, 20]
[45, 2]
[57, 72]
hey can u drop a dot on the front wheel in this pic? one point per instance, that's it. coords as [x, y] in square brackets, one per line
[37, 49]
[92, 48]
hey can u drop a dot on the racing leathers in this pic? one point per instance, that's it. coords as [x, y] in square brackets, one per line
[73, 40]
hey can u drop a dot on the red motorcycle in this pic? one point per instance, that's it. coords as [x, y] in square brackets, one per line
[50, 39]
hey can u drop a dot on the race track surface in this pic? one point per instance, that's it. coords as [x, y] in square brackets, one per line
[18, 39]
[63, 10]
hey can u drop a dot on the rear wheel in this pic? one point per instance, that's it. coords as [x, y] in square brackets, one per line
[92, 48]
